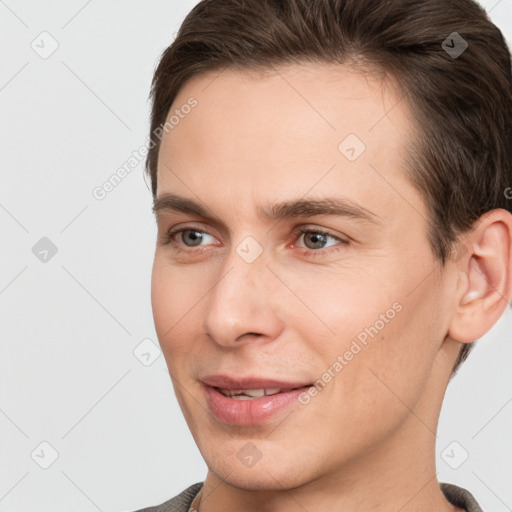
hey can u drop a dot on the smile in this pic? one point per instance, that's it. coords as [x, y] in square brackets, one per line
[248, 394]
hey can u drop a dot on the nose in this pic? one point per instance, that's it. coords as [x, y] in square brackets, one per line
[243, 305]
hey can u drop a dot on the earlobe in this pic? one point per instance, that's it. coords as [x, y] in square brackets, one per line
[485, 282]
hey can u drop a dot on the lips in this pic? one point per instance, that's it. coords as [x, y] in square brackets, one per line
[249, 401]
[242, 383]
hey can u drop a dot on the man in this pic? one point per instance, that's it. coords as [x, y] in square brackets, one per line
[334, 232]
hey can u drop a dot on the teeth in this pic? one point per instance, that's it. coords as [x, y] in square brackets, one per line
[247, 394]
[254, 392]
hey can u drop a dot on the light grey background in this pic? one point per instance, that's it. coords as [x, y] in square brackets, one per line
[69, 375]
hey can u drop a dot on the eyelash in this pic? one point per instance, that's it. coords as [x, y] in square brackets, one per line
[169, 237]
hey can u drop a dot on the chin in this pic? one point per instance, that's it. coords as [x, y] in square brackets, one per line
[261, 480]
[273, 474]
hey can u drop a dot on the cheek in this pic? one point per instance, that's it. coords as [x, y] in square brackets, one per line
[391, 372]
[161, 299]
[376, 335]
[172, 301]
[178, 297]
[344, 306]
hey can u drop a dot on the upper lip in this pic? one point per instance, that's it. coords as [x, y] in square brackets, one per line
[232, 383]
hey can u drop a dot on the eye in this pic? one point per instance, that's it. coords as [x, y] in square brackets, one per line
[316, 239]
[190, 237]
[185, 239]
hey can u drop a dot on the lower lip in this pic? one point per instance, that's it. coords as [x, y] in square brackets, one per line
[254, 411]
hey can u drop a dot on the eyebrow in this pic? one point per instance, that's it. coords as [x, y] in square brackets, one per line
[337, 206]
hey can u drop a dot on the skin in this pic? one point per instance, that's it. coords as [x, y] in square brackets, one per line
[367, 440]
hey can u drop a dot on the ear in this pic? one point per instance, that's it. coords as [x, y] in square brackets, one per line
[484, 286]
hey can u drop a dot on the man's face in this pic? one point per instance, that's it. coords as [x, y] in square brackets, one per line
[246, 296]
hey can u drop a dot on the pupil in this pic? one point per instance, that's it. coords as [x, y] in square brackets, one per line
[194, 237]
[319, 237]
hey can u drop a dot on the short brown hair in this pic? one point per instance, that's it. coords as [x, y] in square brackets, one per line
[461, 161]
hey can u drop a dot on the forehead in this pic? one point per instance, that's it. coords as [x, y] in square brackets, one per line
[284, 129]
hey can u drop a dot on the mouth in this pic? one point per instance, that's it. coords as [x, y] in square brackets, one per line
[250, 401]
[241, 384]
[251, 394]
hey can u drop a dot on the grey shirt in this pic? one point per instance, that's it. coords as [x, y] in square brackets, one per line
[455, 495]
